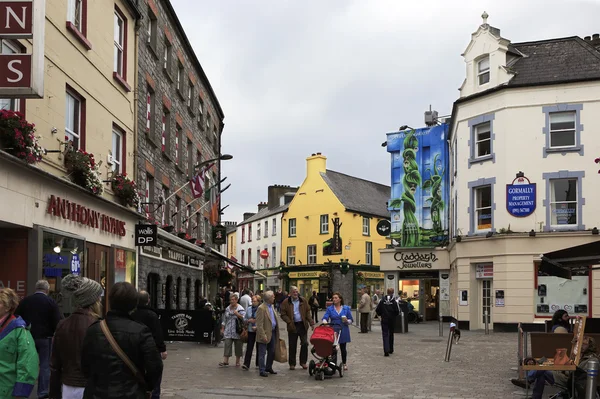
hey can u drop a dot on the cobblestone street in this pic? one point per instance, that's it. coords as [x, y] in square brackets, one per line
[480, 367]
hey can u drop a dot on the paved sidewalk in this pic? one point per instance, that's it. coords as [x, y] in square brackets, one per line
[480, 367]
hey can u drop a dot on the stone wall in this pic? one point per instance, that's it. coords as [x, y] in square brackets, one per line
[344, 284]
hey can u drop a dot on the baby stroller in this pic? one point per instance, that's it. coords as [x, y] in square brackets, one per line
[324, 340]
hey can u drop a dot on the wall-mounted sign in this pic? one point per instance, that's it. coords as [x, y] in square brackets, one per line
[314, 274]
[172, 256]
[374, 275]
[415, 260]
[500, 298]
[264, 254]
[68, 210]
[22, 75]
[384, 227]
[444, 287]
[463, 298]
[75, 264]
[484, 270]
[219, 235]
[146, 235]
[520, 197]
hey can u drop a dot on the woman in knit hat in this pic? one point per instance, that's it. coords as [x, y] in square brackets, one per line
[66, 379]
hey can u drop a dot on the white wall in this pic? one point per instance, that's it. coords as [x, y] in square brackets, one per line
[272, 240]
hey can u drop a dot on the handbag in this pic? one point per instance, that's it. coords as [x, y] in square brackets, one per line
[282, 358]
[239, 325]
[561, 358]
[124, 357]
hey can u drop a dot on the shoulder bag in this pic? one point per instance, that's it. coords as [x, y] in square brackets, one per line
[111, 340]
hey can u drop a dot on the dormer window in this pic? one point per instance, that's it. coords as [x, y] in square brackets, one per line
[483, 70]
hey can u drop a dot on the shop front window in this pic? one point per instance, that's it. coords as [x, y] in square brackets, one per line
[125, 267]
[554, 293]
[61, 255]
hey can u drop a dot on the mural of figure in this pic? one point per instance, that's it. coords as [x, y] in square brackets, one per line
[436, 199]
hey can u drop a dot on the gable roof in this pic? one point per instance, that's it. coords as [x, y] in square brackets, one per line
[264, 213]
[359, 195]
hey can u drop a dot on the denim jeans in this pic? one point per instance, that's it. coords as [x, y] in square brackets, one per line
[269, 351]
[44, 349]
[156, 390]
[538, 379]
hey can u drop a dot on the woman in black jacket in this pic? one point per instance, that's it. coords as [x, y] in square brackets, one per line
[108, 376]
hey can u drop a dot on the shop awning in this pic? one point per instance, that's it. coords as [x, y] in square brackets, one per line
[560, 263]
[234, 262]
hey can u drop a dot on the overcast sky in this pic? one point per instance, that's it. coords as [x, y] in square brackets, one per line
[299, 77]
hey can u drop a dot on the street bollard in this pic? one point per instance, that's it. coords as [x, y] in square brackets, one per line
[592, 379]
[487, 322]
[402, 327]
[441, 326]
[450, 341]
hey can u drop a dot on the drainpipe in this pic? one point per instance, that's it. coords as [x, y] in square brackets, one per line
[136, 98]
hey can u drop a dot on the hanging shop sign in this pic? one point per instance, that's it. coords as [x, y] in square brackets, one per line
[22, 75]
[69, 210]
[521, 196]
[146, 235]
[314, 274]
[172, 256]
[484, 270]
[415, 260]
[384, 227]
[219, 235]
[264, 254]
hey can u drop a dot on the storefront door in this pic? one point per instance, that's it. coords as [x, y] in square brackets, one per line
[96, 268]
[486, 302]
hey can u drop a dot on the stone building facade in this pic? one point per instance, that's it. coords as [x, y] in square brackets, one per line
[179, 127]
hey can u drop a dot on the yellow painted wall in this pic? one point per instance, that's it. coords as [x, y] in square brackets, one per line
[90, 73]
[231, 242]
[313, 199]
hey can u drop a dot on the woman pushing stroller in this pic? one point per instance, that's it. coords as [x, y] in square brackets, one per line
[340, 317]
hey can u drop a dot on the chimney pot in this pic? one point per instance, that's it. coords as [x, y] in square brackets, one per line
[318, 153]
[587, 38]
[596, 36]
[312, 155]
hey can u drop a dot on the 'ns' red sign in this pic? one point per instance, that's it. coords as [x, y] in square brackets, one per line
[16, 18]
[15, 70]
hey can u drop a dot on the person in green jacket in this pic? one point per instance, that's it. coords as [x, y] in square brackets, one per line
[19, 363]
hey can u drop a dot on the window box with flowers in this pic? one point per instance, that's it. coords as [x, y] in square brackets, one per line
[17, 137]
[83, 169]
[125, 190]
[168, 228]
[181, 233]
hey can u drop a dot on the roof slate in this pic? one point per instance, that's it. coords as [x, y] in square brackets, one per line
[555, 61]
[359, 195]
[265, 213]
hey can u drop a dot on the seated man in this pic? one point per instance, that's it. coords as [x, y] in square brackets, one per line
[538, 378]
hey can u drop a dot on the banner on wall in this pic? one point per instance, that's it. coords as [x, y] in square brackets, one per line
[419, 194]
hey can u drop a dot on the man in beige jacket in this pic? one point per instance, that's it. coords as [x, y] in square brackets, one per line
[267, 335]
[364, 308]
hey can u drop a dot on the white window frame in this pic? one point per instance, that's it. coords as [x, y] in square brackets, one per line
[188, 212]
[554, 203]
[117, 154]
[311, 254]
[258, 231]
[190, 94]
[200, 111]
[274, 226]
[573, 130]
[291, 256]
[119, 43]
[478, 209]
[75, 13]
[177, 215]
[483, 128]
[292, 227]
[368, 253]
[483, 73]
[324, 224]
[167, 56]
[75, 130]
[179, 77]
[366, 226]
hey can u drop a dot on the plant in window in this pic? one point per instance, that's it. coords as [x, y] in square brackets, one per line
[411, 180]
[435, 184]
[125, 189]
[83, 169]
[17, 137]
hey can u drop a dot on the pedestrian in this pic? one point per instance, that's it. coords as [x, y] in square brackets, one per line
[66, 378]
[246, 299]
[267, 335]
[232, 318]
[217, 316]
[364, 308]
[41, 313]
[340, 317]
[278, 299]
[388, 309]
[250, 319]
[296, 314]
[107, 371]
[314, 307]
[19, 364]
[375, 301]
[148, 317]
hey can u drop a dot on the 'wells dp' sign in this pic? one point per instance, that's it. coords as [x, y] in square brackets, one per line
[146, 235]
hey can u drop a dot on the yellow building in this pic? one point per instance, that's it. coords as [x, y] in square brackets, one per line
[330, 241]
[50, 220]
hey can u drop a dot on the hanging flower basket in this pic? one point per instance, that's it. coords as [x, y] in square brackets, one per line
[282, 275]
[211, 271]
[83, 169]
[125, 190]
[191, 240]
[17, 137]
[360, 278]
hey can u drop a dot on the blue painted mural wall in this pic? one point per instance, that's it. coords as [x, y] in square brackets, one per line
[420, 186]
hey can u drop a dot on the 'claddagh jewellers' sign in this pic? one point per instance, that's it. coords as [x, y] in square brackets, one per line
[415, 260]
